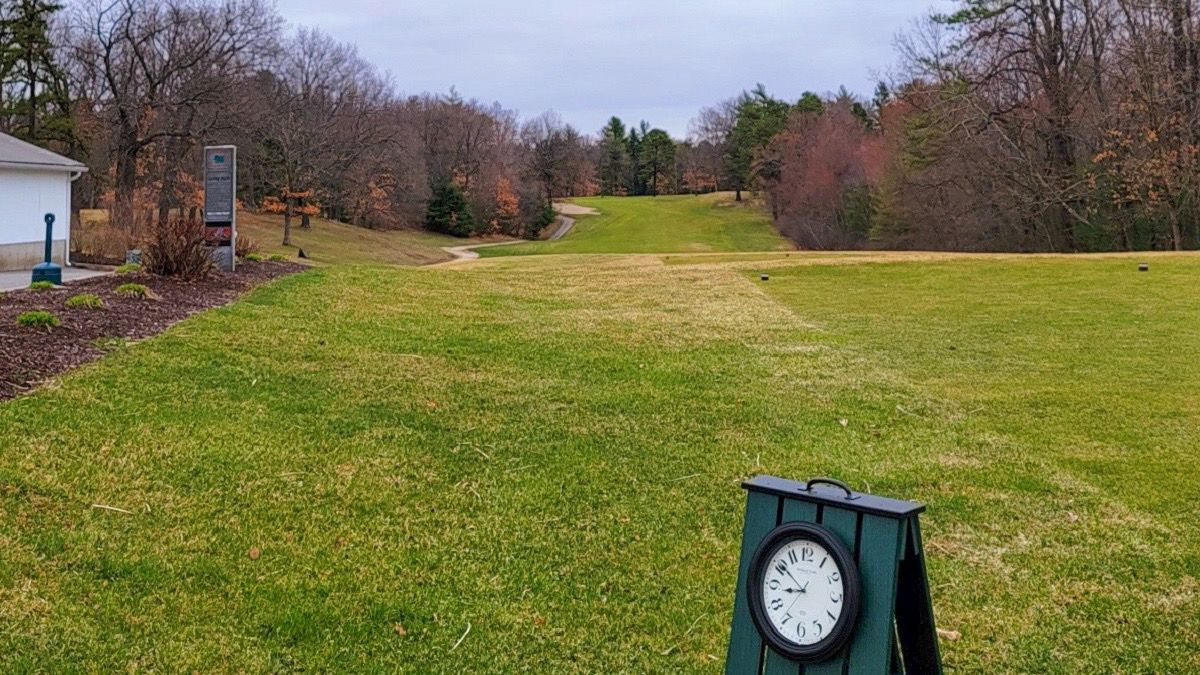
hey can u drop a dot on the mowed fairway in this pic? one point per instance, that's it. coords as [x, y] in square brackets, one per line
[665, 224]
[533, 464]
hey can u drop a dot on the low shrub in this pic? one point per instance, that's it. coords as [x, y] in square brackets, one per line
[254, 257]
[128, 268]
[41, 286]
[133, 290]
[277, 257]
[178, 249]
[245, 247]
[37, 319]
[88, 300]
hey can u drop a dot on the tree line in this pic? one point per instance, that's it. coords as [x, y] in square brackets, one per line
[1057, 125]
[1011, 125]
[136, 88]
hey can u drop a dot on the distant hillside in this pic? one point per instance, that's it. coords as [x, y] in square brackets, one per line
[331, 242]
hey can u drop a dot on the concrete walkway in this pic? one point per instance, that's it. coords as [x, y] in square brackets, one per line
[467, 252]
[11, 281]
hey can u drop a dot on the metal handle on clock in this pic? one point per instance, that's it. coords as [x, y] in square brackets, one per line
[829, 481]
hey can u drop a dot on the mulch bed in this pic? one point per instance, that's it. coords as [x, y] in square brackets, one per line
[30, 355]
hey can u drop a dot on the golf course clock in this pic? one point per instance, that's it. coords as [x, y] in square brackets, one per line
[830, 581]
[803, 591]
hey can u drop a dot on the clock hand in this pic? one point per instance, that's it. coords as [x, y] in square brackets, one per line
[789, 573]
[789, 609]
[798, 591]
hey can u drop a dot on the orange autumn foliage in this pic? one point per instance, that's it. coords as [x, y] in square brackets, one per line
[272, 204]
[508, 207]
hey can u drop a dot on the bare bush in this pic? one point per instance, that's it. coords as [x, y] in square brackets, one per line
[178, 249]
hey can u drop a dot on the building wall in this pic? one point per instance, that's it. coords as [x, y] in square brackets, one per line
[25, 198]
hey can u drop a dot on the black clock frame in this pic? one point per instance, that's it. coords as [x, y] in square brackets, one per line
[851, 582]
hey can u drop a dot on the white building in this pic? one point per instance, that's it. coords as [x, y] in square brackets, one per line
[33, 182]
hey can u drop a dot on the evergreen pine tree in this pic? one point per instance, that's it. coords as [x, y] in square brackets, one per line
[614, 158]
[39, 110]
[634, 149]
[759, 117]
[449, 211]
[811, 103]
[881, 98]
[658, 161]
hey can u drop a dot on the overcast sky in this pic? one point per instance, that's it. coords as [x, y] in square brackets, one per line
[638, 59]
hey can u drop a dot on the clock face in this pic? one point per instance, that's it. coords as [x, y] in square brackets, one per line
[803, 591]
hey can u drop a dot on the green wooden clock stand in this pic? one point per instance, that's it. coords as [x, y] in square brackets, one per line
[891, 630]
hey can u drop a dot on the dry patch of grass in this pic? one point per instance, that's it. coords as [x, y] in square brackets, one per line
[331, 242]
[327, 242]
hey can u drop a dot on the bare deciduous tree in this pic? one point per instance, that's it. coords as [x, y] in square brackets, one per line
[162, 70]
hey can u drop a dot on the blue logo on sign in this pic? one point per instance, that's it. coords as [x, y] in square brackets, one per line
[218, 159]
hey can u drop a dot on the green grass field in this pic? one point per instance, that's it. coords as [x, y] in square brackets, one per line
[533, 463]
[666, 224]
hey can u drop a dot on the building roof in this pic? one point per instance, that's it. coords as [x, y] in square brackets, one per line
[17, 154]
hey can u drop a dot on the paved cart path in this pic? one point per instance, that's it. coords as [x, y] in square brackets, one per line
[565, 224]
[467, 252]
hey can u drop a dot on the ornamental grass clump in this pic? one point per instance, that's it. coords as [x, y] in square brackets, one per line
[87, 300]
[38, 319]
[133, 290]
[246, 246]
[41, 286]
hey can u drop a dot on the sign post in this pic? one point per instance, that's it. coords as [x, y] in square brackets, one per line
[220, 203]
[809, 552]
